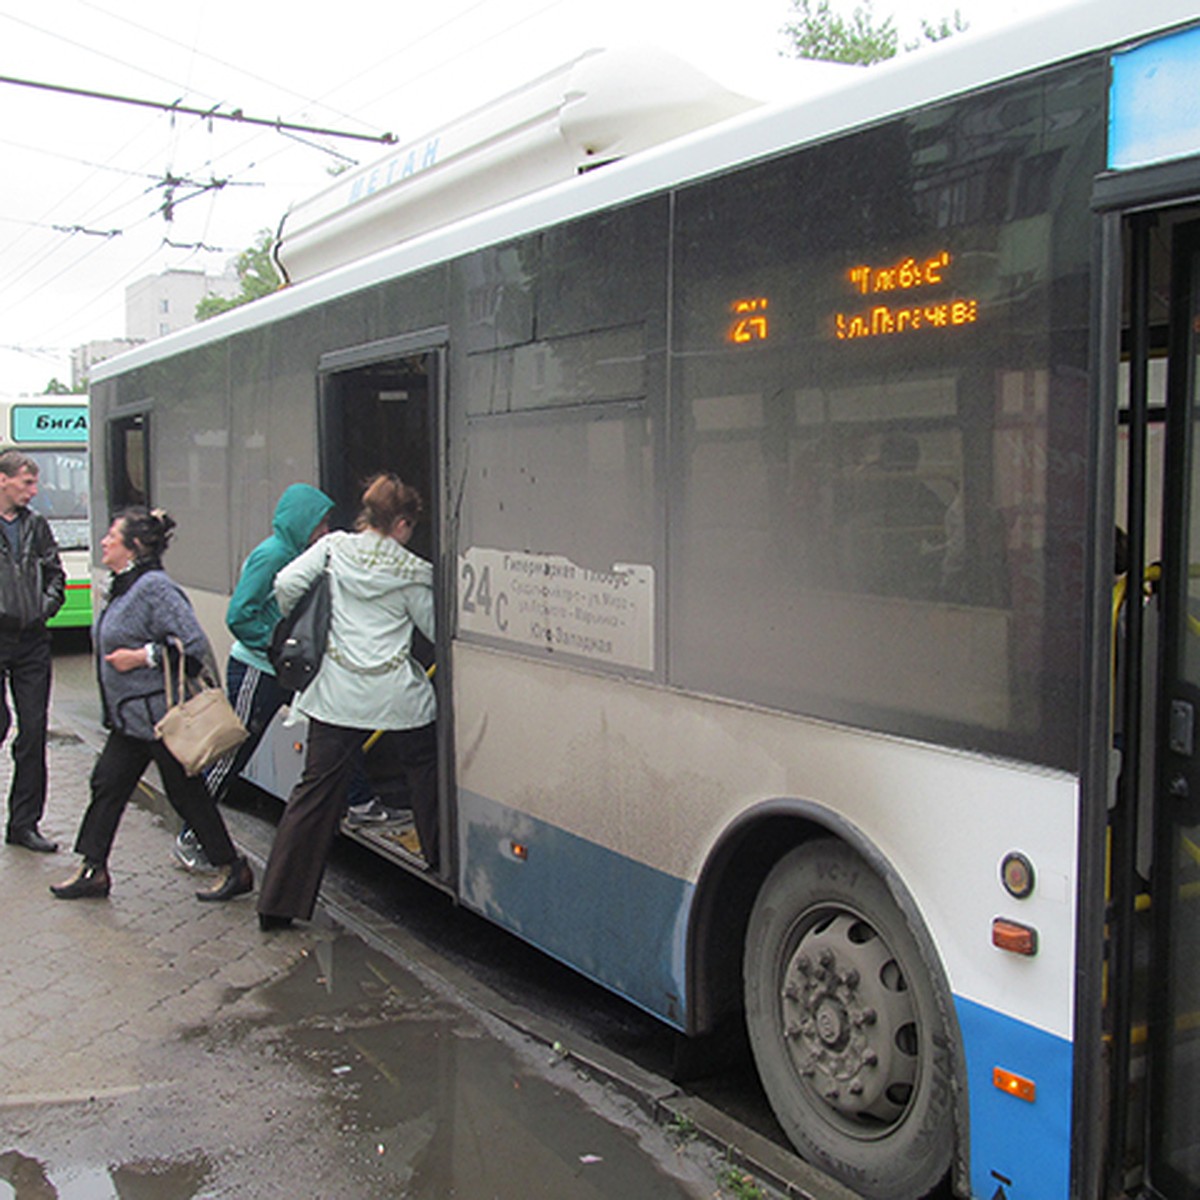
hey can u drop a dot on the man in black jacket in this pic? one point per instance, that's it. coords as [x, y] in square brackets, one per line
[32, 583]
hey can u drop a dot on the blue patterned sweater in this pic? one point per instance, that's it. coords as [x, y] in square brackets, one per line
[155, 609]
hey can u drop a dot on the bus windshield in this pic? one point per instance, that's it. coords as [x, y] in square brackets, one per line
[62, 495]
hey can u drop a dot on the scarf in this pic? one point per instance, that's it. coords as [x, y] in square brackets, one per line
[120, 582]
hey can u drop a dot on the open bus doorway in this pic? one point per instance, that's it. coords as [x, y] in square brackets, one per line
[374, 418]
[379, 417]
[1174, 1132]
[378, 413]
[1153, 992]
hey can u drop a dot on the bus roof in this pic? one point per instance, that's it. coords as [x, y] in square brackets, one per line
[865, 96]
[579, 116]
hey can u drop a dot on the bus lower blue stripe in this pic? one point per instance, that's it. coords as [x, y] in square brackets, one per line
[618, 921]
[1026, 1144]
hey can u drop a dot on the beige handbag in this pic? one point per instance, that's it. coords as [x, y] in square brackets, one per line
[197, 729]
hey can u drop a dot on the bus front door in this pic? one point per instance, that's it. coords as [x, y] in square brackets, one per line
[1173, 1164]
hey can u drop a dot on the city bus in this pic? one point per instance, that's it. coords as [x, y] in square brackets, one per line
[53, 431]
[811, 504]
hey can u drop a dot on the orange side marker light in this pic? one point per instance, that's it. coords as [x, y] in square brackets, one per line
[1014, 1085]
[1014, 937]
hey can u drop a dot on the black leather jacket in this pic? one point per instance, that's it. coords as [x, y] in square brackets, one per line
[32, 585]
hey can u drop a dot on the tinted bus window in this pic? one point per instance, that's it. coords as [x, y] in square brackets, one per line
[880, 412]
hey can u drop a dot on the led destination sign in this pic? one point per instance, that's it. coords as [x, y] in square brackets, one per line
[912, 276]
[749, 320]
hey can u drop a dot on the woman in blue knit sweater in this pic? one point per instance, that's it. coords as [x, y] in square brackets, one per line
[146, 613]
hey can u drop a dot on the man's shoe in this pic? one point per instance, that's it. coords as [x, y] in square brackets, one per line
[190, 854]
[236, 879]
[32, 840]
[268, 921]
[89, 882]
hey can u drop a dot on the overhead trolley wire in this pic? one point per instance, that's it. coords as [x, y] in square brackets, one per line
[209, 114]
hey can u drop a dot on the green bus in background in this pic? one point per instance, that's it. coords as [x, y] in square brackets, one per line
[54, 431]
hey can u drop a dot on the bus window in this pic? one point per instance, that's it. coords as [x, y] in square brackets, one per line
[128, 448]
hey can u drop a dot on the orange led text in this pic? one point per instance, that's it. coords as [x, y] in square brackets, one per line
[750, 321]
[904, 275]
[888, 320]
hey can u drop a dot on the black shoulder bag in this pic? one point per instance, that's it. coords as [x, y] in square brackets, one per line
[298, 640]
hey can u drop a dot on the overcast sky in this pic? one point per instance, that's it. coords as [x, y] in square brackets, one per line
[81, 191]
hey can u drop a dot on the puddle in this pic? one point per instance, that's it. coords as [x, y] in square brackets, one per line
[349, 1078]
[435, 1105]
[24, 1178]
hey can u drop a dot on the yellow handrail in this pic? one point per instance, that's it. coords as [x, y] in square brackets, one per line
[429, 670]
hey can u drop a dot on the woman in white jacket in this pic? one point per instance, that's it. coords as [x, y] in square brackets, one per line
[380, 592]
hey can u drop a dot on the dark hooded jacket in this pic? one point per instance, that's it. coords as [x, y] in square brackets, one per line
[252, 611]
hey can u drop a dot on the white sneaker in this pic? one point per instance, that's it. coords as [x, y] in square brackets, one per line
[369, 813]
[190, 854]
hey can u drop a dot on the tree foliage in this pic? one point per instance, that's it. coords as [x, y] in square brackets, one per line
[936, 32]
[818, 31]
[57, 388]
[257, 274]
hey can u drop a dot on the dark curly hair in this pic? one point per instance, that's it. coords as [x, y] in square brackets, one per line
[147, 532]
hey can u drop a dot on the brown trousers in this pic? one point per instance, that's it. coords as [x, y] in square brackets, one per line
[317, 804]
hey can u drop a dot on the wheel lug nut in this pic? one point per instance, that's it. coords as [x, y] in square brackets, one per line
[871, 1059]
[825, 958]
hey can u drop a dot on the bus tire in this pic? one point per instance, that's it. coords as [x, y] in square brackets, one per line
[845, 1025]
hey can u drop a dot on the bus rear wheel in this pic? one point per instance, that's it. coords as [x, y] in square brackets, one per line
[845, 1025]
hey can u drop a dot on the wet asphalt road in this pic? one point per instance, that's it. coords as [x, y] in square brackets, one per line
[407, 1133]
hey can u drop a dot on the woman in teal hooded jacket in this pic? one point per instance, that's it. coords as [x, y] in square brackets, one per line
[301, 517]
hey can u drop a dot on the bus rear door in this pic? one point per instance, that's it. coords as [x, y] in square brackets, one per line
[1173, 1151]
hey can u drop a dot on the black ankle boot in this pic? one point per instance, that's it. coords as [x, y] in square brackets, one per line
[268, 921]
[90, 881]
[234, 879]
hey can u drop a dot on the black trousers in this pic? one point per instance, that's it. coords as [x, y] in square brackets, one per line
[116, 774]
[318, 801]
[25, 667]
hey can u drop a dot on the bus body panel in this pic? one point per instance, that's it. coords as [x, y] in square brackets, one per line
[76, 612]
[618, 921]
[1023, 1144]
[656, 777]
[564, 830]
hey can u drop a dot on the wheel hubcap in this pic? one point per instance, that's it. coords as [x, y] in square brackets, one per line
[849, 1019]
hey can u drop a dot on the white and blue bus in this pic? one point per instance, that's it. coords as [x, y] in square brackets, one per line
[53, 431]
[774, 477]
